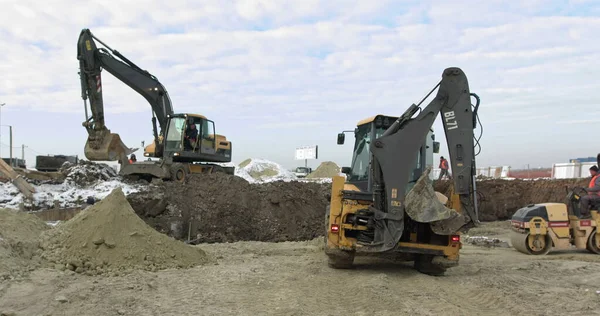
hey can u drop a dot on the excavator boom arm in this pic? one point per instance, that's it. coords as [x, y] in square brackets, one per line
[395, 153]
[91, 62]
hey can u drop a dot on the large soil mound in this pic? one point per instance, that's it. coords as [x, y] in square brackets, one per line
[19, 241]
[499, 198]
[224, 208]
[109, 236]
[327, 169]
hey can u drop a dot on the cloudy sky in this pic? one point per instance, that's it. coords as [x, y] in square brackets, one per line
[278, 74]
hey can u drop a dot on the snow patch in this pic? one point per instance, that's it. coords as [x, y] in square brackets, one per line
[62, 195]
[83, 180]
[263, 171]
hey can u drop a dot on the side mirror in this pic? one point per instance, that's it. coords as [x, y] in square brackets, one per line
[346, 170]
[436, 147]
[340, 139]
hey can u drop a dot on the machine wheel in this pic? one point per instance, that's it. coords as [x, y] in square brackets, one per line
[341, 259]
[424, 265]
[592, 243]
[537, 247]
[179, 172]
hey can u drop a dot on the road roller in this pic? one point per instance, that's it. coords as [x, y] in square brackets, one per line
[539, 228]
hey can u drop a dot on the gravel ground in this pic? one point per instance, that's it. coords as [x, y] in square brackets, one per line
[292, 278]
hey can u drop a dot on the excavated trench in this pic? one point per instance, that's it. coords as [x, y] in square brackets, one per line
[223, 208]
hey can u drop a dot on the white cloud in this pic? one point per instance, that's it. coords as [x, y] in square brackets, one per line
[302, 71]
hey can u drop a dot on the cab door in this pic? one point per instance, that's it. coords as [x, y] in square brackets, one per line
[207, 137]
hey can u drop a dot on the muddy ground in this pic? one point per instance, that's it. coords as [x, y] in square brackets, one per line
[292, 278]
[500, 198]
[224, 208]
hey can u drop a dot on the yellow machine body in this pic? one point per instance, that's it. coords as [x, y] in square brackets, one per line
[338, 239]
[539, 228]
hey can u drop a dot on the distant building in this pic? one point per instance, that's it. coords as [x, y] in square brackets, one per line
[20, 163]
[588, 159]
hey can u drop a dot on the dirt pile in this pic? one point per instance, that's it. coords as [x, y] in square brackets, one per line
[327, 169]
[224, 208]
[86, 172]
[262, 170]
[19, 241]
[110, 237]
[499, 199]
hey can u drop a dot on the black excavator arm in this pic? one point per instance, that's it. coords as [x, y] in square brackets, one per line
[91, 62]
[394, 154]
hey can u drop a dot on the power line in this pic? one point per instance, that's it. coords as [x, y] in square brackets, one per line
[8, 146]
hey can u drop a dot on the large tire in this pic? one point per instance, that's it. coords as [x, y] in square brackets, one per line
[592, 243]
[423, 264]
[341, 260]
[179, 172]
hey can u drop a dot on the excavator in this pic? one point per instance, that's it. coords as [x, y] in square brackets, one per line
[385, 205]
[185, 143]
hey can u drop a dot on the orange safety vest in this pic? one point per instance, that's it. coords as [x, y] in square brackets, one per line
[130, 161]
[591, 185]
[444, 164]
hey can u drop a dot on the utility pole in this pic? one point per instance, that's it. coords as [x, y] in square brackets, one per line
[1, 105]
[23, 152]
[12, 162]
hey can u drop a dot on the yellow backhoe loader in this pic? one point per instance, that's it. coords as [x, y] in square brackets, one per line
[386, 206]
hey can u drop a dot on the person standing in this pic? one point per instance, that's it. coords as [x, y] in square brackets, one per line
[444, 168]
[593, 195]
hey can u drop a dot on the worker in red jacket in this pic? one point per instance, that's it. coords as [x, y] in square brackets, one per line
[593, 191]
[444, 168]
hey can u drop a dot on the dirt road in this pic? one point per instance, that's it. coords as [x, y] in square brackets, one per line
[292, 278]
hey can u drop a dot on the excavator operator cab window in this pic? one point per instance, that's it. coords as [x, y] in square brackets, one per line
[192, 133]
[173, 140]
[207, 133]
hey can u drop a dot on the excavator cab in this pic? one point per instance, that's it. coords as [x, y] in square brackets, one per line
[192, 137]
[358, 174]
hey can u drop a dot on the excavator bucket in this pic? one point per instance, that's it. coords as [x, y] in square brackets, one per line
[423, 205]
[108, 148]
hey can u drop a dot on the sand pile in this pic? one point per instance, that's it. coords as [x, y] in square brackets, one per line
[225, 208]
[110, 237]
[19, 241]
[327, 169]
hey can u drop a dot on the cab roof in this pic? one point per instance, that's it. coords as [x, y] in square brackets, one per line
[188, 114]
[372, 118]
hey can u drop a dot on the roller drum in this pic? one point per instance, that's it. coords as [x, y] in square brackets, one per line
[519, 242]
